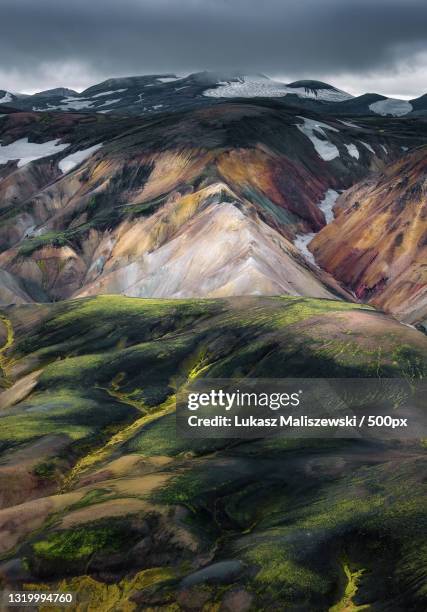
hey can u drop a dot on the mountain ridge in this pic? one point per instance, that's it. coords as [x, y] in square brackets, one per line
[156, 93]
[100, 208]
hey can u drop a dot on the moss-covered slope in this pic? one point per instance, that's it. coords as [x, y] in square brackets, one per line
[98, 494]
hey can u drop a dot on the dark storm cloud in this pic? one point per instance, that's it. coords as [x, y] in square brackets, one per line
[116, 37]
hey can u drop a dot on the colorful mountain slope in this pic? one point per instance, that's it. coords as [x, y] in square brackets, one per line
[202, 203]
[377, 245]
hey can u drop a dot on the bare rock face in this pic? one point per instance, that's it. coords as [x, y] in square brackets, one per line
[212, 202]
[219, 251]
[378, 243]
[11, 290]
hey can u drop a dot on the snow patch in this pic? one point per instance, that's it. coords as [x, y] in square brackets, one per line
[75, 104]
[74, 159]
[259, 86]
[26, 152]
[391, 106]
[328, 203]
[168, 79]
[325, 149]
[67, 104]
[323, 94]
[303, 240]
[384, 148]
[108, 102]
[107, 93]
[352, 150]
[349, 124]
[368, 146]
[6, 98]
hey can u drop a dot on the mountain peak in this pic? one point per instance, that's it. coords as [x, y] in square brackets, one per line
[57, 91]
[168, 92]
[311, 84]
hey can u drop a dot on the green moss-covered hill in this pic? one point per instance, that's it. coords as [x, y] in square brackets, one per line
[99, 496]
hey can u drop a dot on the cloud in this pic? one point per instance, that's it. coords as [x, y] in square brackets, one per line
[83, 41]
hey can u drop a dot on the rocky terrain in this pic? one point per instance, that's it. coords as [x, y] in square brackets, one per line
[378, 243]
[204, 203]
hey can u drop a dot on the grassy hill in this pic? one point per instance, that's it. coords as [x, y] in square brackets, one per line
[100, 496]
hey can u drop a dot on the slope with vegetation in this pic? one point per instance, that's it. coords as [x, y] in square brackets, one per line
[100, 496]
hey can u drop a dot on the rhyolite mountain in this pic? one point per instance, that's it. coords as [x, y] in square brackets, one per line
[259, 234]
[215, 201]
[153, 94]
[377, 244]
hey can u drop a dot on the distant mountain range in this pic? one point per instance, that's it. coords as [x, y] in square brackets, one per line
[165, 92]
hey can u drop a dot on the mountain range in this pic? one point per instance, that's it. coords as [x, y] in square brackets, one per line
[156, 230]
[151, 94]
[220, 199]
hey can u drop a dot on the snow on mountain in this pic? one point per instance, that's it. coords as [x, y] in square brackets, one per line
[168, 79]
[352, 150]
[302, 241]
[325, 149]
[262, 86]
[328, 203]
[113, 101]
[107, 93]
[248, 87]
[319, 91]
[25, 151]
[74, 159]
[376, 245]
[6, 97]
[349, 124]
[391, 106]
[367, 146]
[71, 103]
[160, 91]
[138, 216]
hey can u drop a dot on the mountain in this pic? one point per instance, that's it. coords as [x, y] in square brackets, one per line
[210, 202]
[240, 238]
[377, 244]
[319, 91]
[154, 94]
[420, 104]
[374, 104]
[100, 496]
[6, 97]
[247, 86]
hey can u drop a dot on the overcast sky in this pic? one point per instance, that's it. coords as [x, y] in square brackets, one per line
[358, 45]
